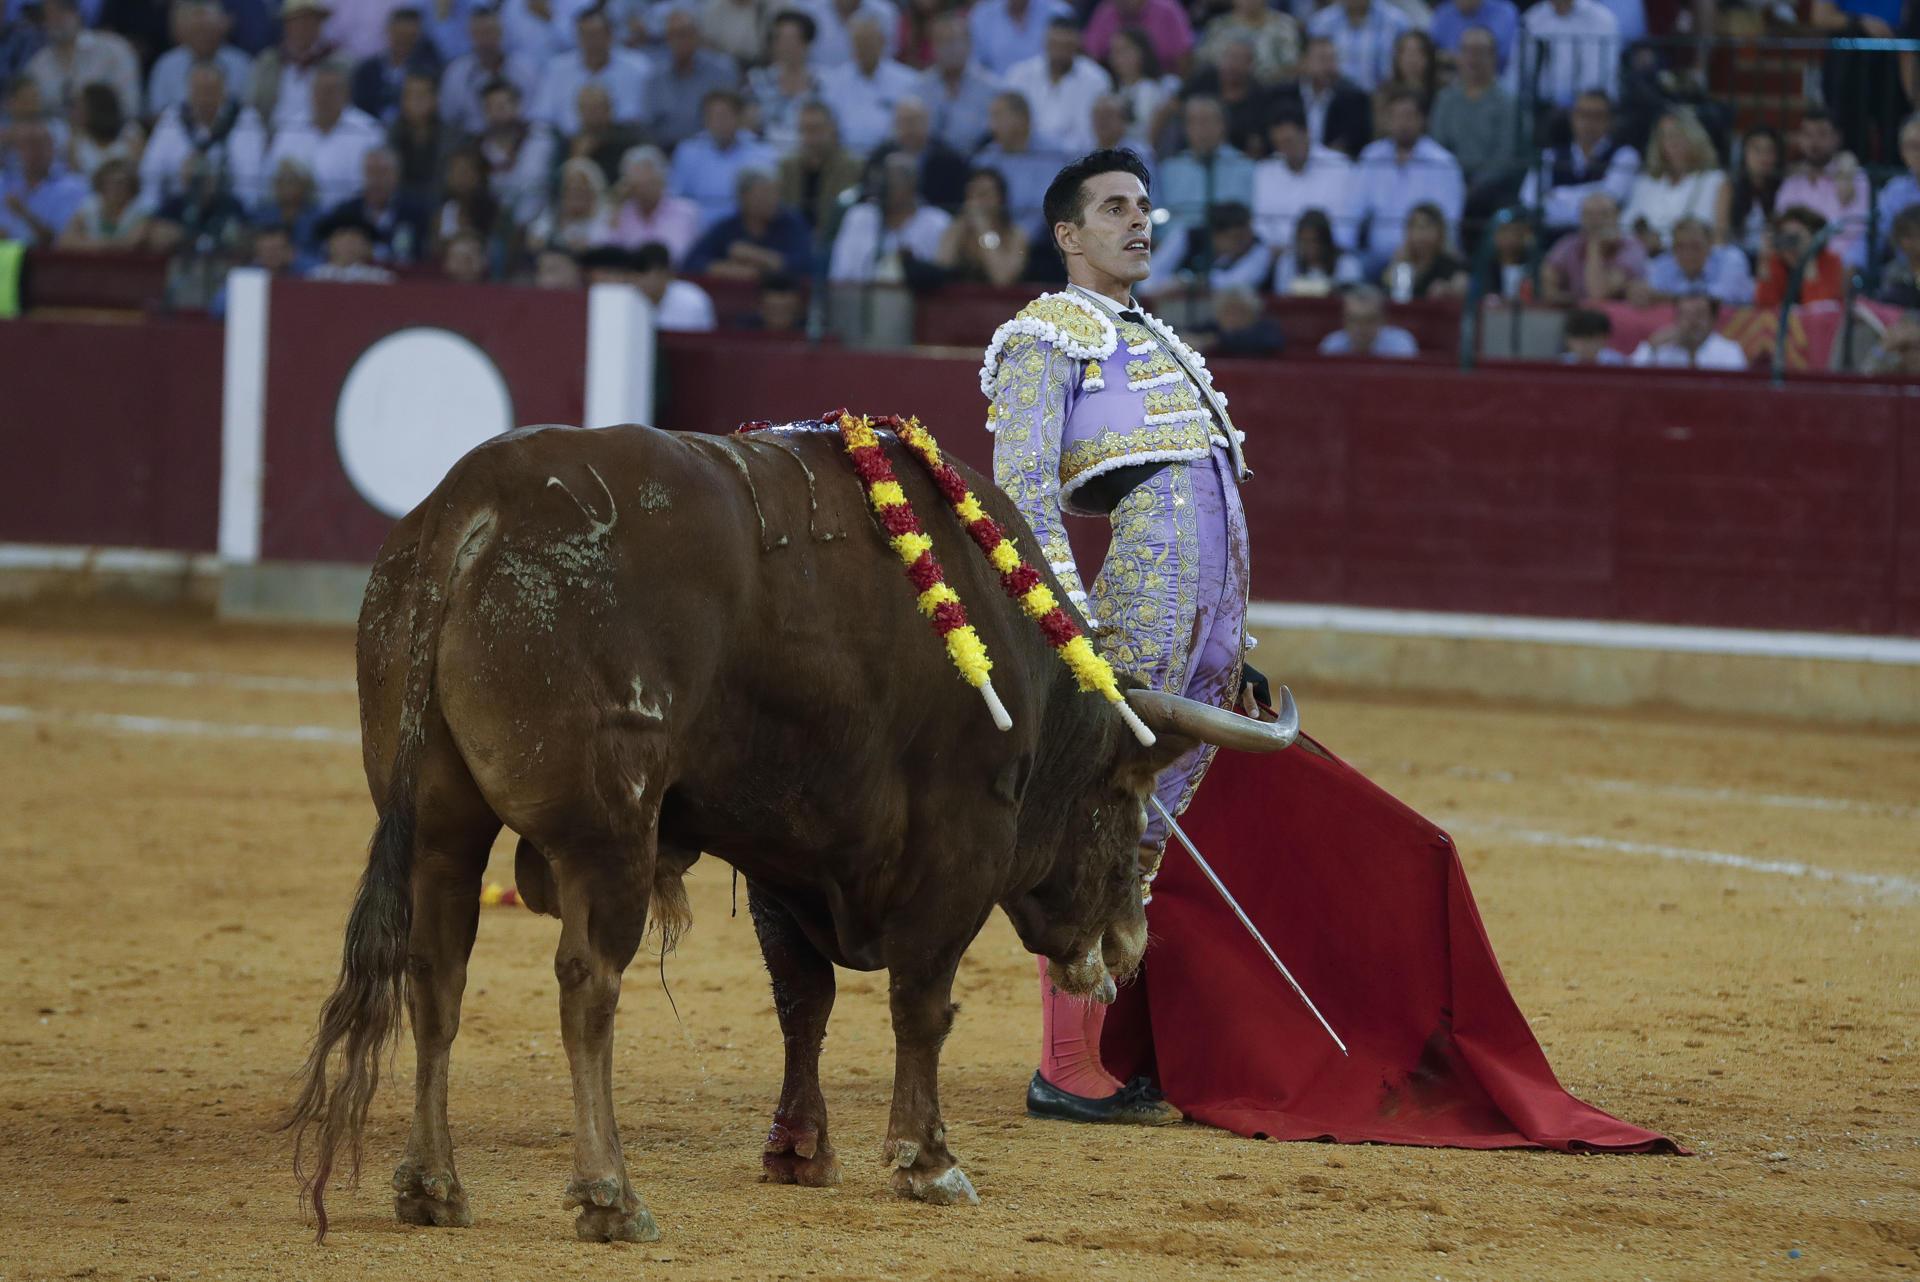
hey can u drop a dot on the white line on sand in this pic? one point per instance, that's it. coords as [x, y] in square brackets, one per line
[1887, 886]
[116, 723]
[88, 673]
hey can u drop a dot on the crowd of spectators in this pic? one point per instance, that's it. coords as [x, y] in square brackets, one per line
[1383, 149]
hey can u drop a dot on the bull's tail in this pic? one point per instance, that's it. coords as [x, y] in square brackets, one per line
[360, 1022]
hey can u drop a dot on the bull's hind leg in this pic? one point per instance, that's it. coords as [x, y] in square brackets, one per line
[602, 890]
[450, 856]
[921, 995]
[798, 1151]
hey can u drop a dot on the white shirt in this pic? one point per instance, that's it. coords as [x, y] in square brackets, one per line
[1563, 203]
[864, 104]
[240, 155]
[624, 78]
[1582, 50]
[684, 308]
[334, 157]
[1281, 194]
[1718, 352]
[460, 87]
[1664, 202]
[1062, 109]
[833, 42]
[864, 241]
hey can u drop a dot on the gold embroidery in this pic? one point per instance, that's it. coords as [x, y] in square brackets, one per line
[1173, 399]
[1152, 366]
[1132, 334]
[1183, 440]
[1079, 324]
[1029, 404]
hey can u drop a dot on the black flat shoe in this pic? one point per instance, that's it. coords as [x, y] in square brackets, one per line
[1138, 1103]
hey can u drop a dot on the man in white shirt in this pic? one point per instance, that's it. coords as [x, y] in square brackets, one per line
[1403, 169]
[1592, 161]
[208, 123]
[1006, 32]
[866, 91]
[1363, 31]
[621, 73]
[1061, 86]
[1300, 175]
[877, 239]
[957, 89]
[1690, 342]
[467, 76]
[679, 306]
[75, 57]
[833, 23]
[1581, 51]
[203, 28]
[334, 141]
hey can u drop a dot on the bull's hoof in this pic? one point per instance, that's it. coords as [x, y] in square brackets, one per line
[795, 1154]
[433, 1199]
[610, 1211]
[926, 1177]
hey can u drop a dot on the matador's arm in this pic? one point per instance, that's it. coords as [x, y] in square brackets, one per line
[1028, 413]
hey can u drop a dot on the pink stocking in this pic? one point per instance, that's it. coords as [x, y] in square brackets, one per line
[1070, 1042]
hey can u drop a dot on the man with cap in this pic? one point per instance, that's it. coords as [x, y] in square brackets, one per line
[281, 89]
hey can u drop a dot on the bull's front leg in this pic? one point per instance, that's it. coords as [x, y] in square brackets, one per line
[922, 1001]
[798, 1150]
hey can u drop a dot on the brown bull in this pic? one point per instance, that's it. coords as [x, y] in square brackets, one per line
[631, 646]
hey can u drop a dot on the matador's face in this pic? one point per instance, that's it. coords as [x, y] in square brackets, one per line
[1113, 240]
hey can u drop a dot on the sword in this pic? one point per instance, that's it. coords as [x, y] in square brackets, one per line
[1214, 877]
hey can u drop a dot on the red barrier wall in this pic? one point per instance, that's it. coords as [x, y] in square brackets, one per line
[110, 432]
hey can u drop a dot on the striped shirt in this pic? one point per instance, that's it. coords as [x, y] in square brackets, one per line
[1366, 47]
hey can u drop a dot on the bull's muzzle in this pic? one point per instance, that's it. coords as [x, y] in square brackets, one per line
[1085, 977]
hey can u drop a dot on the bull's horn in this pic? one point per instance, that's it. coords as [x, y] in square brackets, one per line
[1208, 724]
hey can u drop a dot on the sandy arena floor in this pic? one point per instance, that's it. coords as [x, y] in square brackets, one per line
[1714, 926]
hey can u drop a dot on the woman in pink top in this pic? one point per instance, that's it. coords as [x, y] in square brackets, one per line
[1163, 21]
[646, 212]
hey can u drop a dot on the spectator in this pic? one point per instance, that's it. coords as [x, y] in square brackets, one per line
[764, 238]
[1695, 265]
[679, 306]
[1242, 326]
[736, 29]
[1498, 18]
[556, 269]
[1026, 169]
[540, 29]
[955, 88]
[1006, 32]
[377, 80]
[1231, 254]
[281, 88]
[1899, 284]
[202, 26]
[1745, 208]
[1313, 266]
[1209, 172]
[885, 241]
[1151, 98]
[517, 152]
[682, 78]
[1363, 33]
[778, 89]
[913, 42]
[1113, 128]
[358, 27]
[601, 139]
[463, 259]
[109, 218]
[833, 22]
[446, 26]
[1630, 18]
[349, 245]
[397, 222]
[1248, 105]
[1300, 175]
[1164, 22]
[943, 173]
[211, 125]
[1795, 232]
[1060, 87]
[1690, 342]
[579, 217]
[333, 140]
[97, 132]
[1589, 339]
[1578, 43]
[421, 138]
[1598, 262]
[1903, 189]
[867, 90]
[984, 243]
[1403, 169]
[1829, 182]
[706, 166]
[470, 204]
[273, 252]
[1337, 111]
[783, 309]
[291, 203]
[488, 59]
[1363, 330]
[1682, 178]
[21, 37]
[647, 213]
[1274, 36]
[820, 178]
[1897, 354]
[594, 61]
[1509, 272]
[201, 216]
[74, 57]
[1592, 161]
[1424, 266]
[1415, 69]
[1482, 125]
[1863, 88]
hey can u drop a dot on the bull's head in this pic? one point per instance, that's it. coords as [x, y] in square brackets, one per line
[1087, 917]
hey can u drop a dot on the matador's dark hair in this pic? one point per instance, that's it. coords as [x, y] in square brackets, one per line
[1066, 199]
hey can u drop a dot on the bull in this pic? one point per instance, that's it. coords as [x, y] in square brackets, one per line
[630, 647]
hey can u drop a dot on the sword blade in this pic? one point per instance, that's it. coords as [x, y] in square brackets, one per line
[1206, 870]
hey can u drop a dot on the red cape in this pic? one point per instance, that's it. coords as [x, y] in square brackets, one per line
[1368, 905]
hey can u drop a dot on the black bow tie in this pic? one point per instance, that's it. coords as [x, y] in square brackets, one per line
[1135, 317]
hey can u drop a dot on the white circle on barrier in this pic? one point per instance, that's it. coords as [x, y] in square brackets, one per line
[412, 404]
